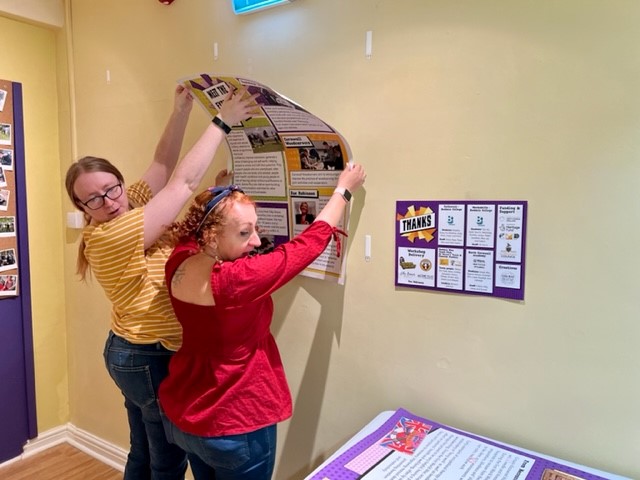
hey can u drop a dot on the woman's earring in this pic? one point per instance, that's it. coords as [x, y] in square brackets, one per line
[216, 256]
[213, 253]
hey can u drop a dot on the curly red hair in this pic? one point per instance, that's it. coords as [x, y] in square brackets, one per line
[213, 224]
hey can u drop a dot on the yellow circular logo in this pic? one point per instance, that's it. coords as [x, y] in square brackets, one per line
[425, 264]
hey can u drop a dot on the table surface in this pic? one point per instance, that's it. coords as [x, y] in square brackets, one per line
[374, 424]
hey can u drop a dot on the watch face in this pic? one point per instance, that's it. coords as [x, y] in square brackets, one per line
[347, 195]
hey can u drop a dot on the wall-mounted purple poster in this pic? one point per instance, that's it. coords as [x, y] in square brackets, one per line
[462, 246]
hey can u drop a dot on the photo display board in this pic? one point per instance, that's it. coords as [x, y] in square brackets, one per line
[462, 246]
[8, 237]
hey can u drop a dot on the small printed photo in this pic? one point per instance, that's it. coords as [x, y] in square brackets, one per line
[4, 200]
[3, 178]
[8, 285]
[263, 139]
[5, 134]
[330, 154]
[7, 259]
[6, 159]
[310, 159]
[3, 98]
[305, 212]
[7, 226]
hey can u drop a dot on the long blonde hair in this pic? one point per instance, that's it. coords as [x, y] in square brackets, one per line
[86, 165]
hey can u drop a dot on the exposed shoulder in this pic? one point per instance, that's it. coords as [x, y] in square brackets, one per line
[191, 282]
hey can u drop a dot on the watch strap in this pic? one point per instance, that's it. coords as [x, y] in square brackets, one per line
[221, 124]
[346, 194]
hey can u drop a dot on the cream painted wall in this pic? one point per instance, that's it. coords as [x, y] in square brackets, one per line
[461, 100]
[29, 57]
[46, 12]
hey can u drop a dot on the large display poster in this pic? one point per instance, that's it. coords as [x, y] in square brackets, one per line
[286, 159]
[8, 235]
[462, 246]
[407, 446]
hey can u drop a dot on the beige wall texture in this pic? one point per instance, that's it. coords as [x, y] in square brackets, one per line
[43, 12]
[477, 100]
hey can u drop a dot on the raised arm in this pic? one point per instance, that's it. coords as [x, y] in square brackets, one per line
[165, 206]
[168, 148]
[351, 179]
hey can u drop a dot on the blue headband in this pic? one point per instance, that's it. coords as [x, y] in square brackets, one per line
[219, 193]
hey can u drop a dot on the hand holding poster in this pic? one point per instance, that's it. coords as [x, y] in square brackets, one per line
[286, 159]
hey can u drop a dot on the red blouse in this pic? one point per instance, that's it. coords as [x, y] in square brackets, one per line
[228, 378]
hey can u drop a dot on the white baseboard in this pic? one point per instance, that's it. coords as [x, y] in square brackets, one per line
[96, 447]
[93, 446]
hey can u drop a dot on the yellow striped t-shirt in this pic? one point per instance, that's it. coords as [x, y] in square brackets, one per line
[132, 278]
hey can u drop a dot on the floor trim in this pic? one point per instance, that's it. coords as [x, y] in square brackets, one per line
[93, 446]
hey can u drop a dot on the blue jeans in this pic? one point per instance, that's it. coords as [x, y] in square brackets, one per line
[138, 370]
[248, 456]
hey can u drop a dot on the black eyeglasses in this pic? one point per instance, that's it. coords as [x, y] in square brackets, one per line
[112, 193]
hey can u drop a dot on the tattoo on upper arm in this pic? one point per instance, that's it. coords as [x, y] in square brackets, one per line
[178, 275]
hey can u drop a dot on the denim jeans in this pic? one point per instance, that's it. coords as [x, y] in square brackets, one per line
[248, 456]
[138, 370]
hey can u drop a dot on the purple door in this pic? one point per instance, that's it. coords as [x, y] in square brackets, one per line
[17, 391]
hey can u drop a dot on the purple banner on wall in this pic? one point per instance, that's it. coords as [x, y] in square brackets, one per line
[462, 246]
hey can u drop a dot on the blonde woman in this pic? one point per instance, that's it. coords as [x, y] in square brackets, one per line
[120, 248]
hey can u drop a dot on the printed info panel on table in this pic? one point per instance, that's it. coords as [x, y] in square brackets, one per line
[285, 158]
[409, 447]
[462, 246]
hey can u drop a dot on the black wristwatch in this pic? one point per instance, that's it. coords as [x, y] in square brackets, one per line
[346, 194]
[220, 123]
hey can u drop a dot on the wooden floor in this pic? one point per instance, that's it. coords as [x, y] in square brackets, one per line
[62, 462]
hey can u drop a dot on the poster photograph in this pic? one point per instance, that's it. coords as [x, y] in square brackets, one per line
[3, 178]
[8, 285]
[7, 259]
[6, 159]
[5, 134]
[3, 98]
[4, 200]
[7, 226]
